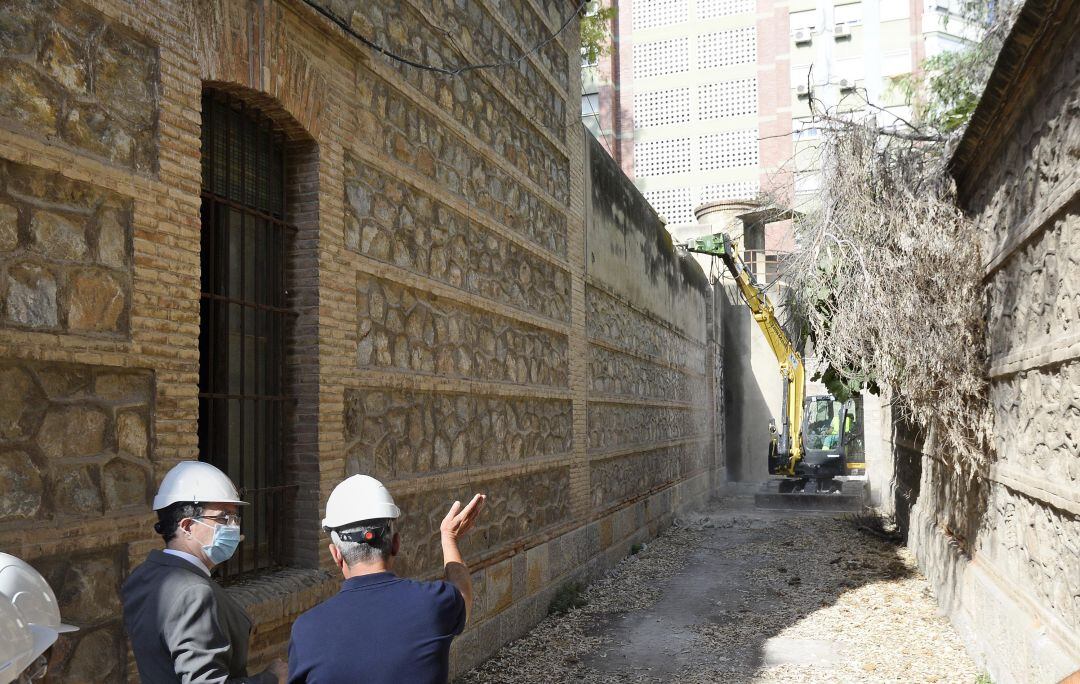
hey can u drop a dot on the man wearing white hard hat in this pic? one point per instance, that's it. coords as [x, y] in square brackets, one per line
[29, 621]
[380, 628]
[183, 627]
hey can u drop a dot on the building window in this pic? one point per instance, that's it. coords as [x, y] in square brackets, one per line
[590, 105]
[243, 398]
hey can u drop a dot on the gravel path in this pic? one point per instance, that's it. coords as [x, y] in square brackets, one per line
[739, 595]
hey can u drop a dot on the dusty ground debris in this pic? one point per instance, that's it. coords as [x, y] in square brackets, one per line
[737, 595]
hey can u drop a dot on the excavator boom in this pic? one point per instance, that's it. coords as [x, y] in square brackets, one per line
[789, 446]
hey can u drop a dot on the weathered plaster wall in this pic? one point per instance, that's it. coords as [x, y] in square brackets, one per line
[454, 331]
[1002, 547]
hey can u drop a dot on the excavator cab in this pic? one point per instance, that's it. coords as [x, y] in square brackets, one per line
[824, 431]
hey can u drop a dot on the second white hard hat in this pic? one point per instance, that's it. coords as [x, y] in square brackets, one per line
[197, 482]
[27, 592]
[358, 498]
[16, 642]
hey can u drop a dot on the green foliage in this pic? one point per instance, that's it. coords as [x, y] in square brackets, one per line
[845, 384]
[947, 87]
[569, 595]
[984, 679]
[596, 31]
[636, 549]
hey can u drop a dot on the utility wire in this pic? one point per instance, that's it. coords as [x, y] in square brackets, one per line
[599, 123]
[455, 71]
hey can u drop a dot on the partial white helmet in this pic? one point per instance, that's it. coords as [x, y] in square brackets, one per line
[16, 642]
[358, 498]
[28, 592]
[197, 482]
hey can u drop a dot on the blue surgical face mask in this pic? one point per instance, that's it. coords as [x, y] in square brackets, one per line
[223, 546]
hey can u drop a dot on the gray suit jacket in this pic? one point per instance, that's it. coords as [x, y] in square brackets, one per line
[183, 627]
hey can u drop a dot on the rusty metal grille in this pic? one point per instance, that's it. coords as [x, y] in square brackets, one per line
[243, 397]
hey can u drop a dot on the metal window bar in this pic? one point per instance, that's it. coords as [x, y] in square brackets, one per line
[245, 316]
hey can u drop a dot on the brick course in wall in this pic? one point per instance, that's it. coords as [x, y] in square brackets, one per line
[445, 338]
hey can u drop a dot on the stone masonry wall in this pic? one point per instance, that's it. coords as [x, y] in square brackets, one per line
[1002, 546]
[465, 318]
[65, 254]
[70, 73]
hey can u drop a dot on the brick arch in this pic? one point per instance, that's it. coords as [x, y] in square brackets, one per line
[243, 48]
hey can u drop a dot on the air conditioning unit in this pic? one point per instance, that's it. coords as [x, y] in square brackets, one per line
[802, 90]
[842, 31]
[846, 85]
[802, 36]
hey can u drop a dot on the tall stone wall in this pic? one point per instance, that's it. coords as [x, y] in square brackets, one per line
[453, 330]
[1002, 546]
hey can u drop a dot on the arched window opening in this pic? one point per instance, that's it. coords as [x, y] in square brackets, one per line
[244, 402]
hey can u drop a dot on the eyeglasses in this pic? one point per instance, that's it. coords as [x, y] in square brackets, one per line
[221, 519]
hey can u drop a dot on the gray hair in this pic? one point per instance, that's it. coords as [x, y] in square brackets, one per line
[358, 552]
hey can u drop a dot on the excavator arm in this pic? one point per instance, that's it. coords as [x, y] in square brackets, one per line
[789, 444]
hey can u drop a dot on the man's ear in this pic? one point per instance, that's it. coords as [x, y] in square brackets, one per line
[335, 553]
[395, 544]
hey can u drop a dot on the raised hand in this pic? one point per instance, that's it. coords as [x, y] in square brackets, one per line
[459, 520]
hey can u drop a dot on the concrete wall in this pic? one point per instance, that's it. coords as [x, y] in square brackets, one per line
[458, 328]
[1001, 546]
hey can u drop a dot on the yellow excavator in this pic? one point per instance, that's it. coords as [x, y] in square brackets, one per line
[817, 432]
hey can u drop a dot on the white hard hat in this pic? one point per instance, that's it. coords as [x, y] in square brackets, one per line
[197, 482]
[358, 498]
[31, 595]
[16, 642]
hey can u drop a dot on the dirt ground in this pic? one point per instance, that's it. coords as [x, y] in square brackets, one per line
[734, 594]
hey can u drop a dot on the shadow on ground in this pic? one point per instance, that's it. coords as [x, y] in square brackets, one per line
[754, 574]
[762, 596]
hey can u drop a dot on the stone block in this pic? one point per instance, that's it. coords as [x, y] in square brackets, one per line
[87, 585]
[21, 486]
[65, 60]
[17, 32]
[124, 484]
[31, 296]
[9, 227]
[72, 431]
[58, 236]
[95, 300]
[536, 560]
[27, 97]
[125, 75]
[63, 381]
[91, 128]
[520, 575]
[131, 434]
[98, 656]
[123, 386]
[76, 491]
[499, 586]
[21, 404]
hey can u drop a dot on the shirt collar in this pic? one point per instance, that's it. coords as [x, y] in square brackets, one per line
[194, 560]
[364, 581]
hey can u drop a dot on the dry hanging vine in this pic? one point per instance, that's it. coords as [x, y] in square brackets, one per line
[887, 276]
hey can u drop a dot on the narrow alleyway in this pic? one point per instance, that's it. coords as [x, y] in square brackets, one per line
[735, 594]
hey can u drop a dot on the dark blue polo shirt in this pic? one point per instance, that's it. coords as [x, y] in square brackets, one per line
[378, 628]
